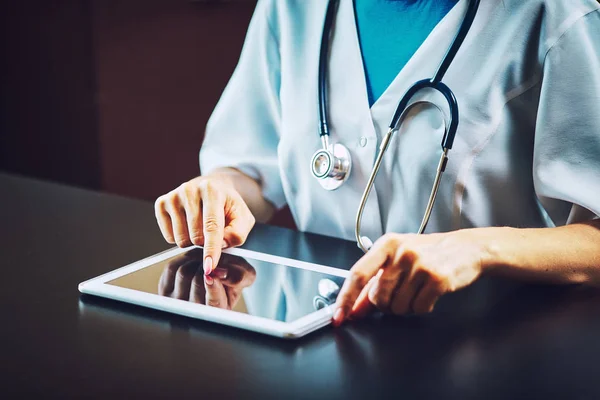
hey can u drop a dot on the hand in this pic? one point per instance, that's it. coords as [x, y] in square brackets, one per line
[183, 279]
[408, 273]
[206, 211]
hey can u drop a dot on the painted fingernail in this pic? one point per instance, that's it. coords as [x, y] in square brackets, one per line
[208, 265]
[209, 280]
[338, 317]
[225, 244]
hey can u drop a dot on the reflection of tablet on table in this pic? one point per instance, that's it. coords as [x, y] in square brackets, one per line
[255, 291]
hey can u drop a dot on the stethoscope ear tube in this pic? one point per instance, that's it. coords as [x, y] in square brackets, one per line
[323, 56]
[322, 165]
[464, 29]
[331, 165]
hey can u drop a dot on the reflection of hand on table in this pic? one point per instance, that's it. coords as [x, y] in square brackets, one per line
[183, 278]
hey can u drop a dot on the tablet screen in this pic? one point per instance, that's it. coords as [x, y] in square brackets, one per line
[246, 285]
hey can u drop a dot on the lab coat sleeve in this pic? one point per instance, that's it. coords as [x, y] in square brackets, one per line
[243, 131]
[566, 165]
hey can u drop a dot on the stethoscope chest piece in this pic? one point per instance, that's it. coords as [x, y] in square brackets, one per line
[331, 166]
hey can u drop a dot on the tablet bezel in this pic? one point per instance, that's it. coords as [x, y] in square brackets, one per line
[98, 286]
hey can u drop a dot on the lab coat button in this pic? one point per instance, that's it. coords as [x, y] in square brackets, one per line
[362, 141]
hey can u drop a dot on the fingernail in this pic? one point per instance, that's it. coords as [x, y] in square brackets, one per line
[208, 265]
[338, 317]
[225, 244]
[209, 280]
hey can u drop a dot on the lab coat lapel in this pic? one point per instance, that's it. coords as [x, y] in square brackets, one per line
[350, 117]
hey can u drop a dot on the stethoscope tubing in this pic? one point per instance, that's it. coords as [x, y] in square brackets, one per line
[404, 105]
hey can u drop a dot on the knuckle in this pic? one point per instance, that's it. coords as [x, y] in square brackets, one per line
[211, 225]
[189, 188]
[160, 204]
[180, 196]
[213, 302]
[442, 288]
[358, 278]
[182, 241]
[388, 280]
[170, 203]
[387, 238]
[191, 202]
[438, 283]
[169, 239]
[390, 240]
[408, 256]
[435, 279]
[184, 187]
[207, 188]
[197, 238]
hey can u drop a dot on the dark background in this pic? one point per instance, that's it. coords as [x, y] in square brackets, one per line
[113, 95]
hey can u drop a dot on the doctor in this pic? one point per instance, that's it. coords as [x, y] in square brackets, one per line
[520, 196]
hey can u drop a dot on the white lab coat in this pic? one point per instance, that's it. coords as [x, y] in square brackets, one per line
[527, 151]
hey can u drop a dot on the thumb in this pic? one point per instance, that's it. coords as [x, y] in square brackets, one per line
[363, 305]
[236, 232]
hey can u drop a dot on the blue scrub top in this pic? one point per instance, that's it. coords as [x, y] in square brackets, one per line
[390, 32]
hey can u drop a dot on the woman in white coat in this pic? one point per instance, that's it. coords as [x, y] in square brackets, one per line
[521, 193]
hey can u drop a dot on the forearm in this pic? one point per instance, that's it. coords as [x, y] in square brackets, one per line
[251, 192]
[567, 254]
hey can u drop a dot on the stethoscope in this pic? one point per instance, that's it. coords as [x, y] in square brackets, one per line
[327, 293]
[331, 164]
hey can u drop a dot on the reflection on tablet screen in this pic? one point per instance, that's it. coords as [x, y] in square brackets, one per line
[245, 285]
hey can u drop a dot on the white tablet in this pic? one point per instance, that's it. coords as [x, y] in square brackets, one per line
[249, 290]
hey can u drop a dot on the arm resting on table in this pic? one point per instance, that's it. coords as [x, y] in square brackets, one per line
[566, 254]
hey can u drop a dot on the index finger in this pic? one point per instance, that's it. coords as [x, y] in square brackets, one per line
[360, 275]
[213, 216]
[363, 305]
[166, 283]
[215, 293]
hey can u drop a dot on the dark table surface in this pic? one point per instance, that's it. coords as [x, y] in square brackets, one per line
[496, 339]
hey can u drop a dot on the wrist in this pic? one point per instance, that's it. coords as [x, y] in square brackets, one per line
[225, 175]
[498, 247]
